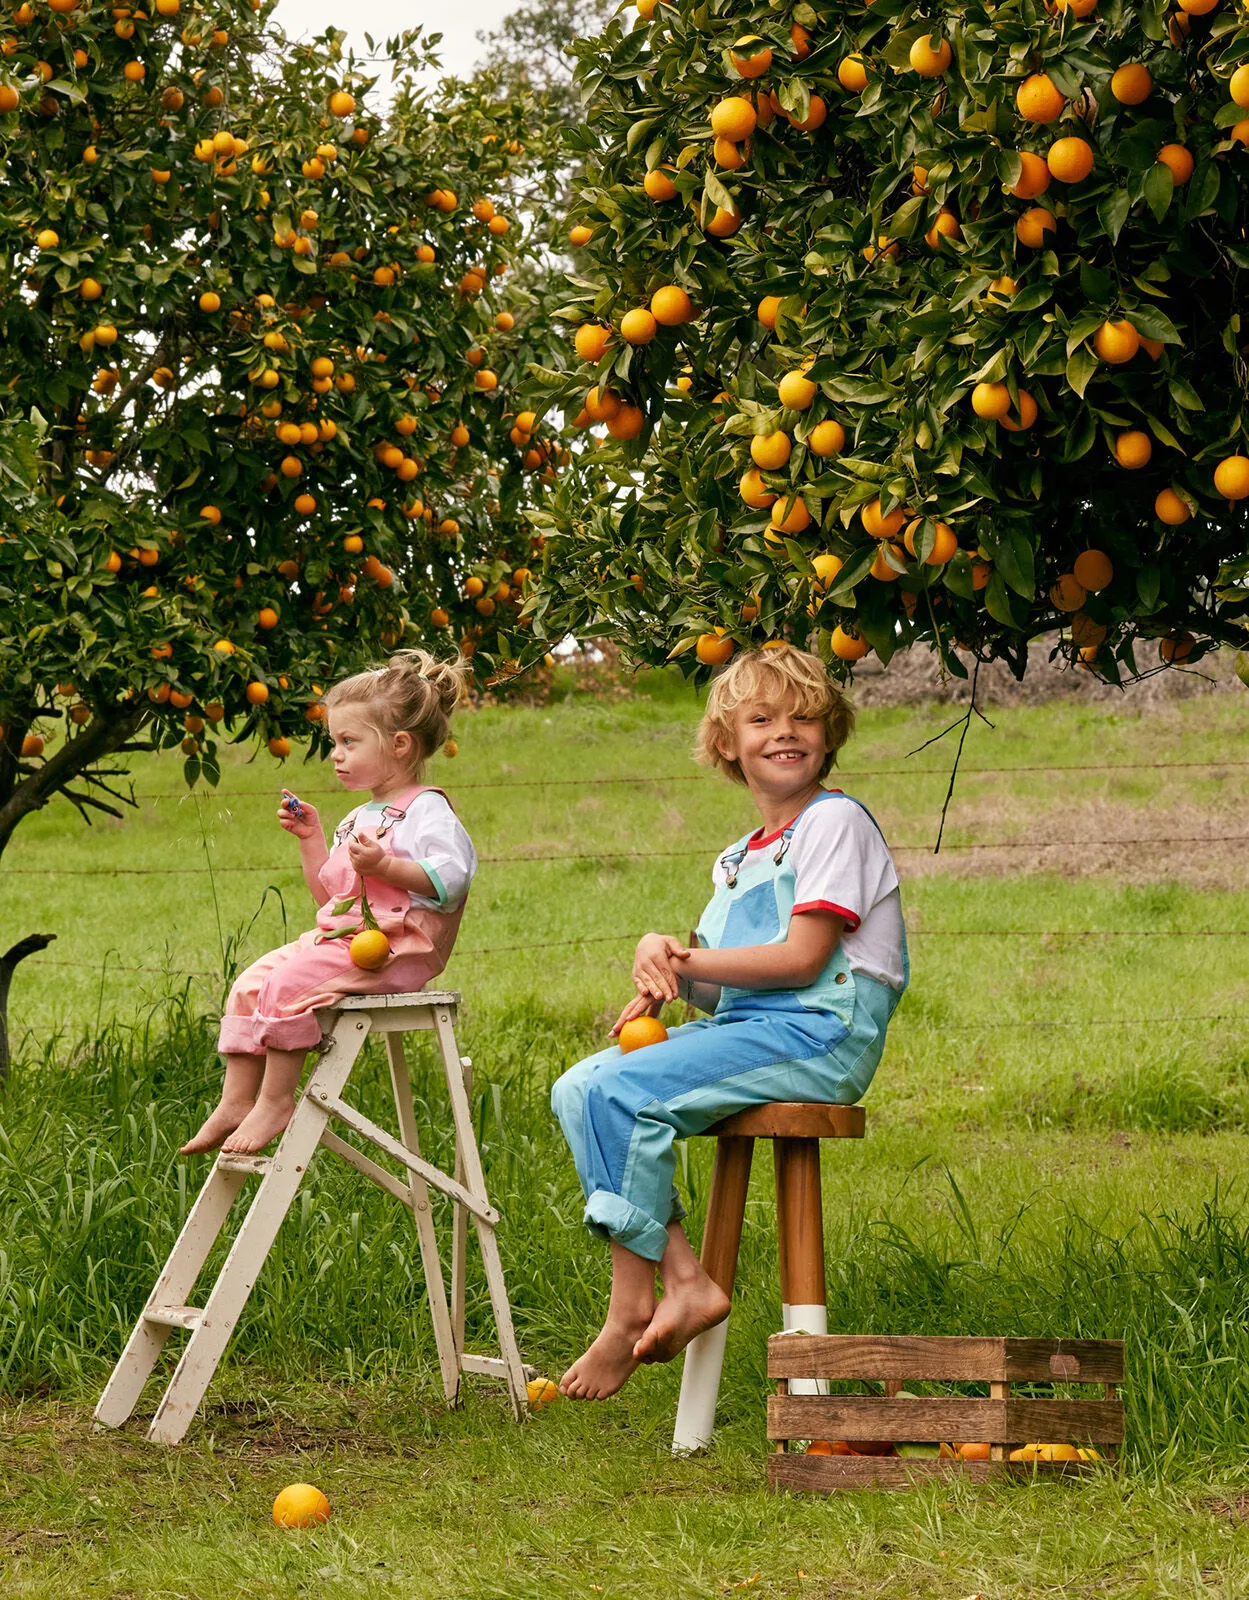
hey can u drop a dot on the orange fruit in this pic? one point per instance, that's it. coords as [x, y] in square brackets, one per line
[733, 118]
[1039, 99]
[280, 748]
[369, 949]
[1070, 159]
[976, 1451]
[767, 309]
[1027, 414]
[750, 56]
[754, 491]
[847, 645]
[796, 391]
[642, 1031]
[1033, 226]
[790, 515]
[817, 115]
[540, 1391]
[256, 693]
[305, 504]
[1133, 449]
[581, 234]
[990, 400]
[929, 56]
[827, 438]
[1180, 161]
[658, 185]
[770, 451]
[1086, 632]
[945, 542]
[342, 104]
[1131, 83]
[32, 745]
[1116, 342]
[300, 1505]
[1238, 87]
[671, 306]
[723, 223]
[1034, 178]
[882, 568]
[266, 618]
[627, 423]
[1093, 569]
[1068, 593]
[1177, 648]
[638, 326]
[591, 340]
[1171, 509]
[826, 567]
[879, 524]
[1231, 477]
[852, 74]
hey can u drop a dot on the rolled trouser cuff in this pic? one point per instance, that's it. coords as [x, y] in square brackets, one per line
[612, 1217]
[255, 1034]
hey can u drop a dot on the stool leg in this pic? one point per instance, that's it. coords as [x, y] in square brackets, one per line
[722, 1237]
[800, 1244]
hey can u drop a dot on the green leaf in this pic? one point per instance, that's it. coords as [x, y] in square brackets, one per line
[1158, 188]
[1113, 212]
[1080, 368]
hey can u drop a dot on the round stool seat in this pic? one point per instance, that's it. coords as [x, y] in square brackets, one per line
[793, 1119]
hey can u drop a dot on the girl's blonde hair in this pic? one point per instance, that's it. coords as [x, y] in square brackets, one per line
[779, 676]
[413, 693]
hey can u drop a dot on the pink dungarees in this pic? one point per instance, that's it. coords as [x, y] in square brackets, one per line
[272, 1004]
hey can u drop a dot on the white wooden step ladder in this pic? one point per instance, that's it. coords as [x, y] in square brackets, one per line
[346, 1028]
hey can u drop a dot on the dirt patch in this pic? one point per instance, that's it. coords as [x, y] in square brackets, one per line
[914, 677]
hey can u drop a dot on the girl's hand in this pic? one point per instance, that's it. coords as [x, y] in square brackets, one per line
[639, 1006]
[652, 966]
[307, 825]
[367, 857]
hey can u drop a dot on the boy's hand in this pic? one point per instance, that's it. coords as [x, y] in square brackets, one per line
[367, 857]
[639, 1006]
[305, 825]
[652, 966]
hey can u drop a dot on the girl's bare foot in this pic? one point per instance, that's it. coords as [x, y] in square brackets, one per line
[221, 1123]
[687, 1309]
[260, 1127]
[607, 1365]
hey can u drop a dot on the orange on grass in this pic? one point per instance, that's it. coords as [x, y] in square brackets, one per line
[540, 1391]
[1093, 569]
[1133, 449]
[1027, 414]
[770, 451]
[369, 949]
[1068, 593]
[591, 340]
[1039, 99]
[827, 438]
[754, 491]
[638, 326]
[881, 524]
[847, 645]
[1180, 160]
[671, 306]
[300, 1505]
[1070, 159]
[1231, 477]
[1033, 226]
[1131, 83]
[1116, 342]
[1170, 508]
[990, 400]
[642, 1031]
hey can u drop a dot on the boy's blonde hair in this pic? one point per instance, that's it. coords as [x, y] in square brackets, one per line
[780, 676]
[413, 693]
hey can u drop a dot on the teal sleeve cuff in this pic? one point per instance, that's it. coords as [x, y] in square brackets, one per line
[440, 889]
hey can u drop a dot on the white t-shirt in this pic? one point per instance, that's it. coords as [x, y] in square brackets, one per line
[842, 864]
[430, 834]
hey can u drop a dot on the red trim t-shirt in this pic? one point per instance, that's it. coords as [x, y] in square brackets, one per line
[842, 864]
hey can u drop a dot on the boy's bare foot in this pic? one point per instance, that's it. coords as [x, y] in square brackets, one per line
[689, 1307]
[260, 1127]
[220, 1125]
[607, 1365]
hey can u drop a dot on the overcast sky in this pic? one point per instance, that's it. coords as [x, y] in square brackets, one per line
[459, 21]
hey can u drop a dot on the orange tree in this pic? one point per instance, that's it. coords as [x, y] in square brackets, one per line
[910, 323]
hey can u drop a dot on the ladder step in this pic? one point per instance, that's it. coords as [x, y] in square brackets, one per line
[174, 1316]
[491, 1367]
[251, 1164]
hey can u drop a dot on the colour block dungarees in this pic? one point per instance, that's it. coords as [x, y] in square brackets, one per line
[621, 1113]
[274, 1001]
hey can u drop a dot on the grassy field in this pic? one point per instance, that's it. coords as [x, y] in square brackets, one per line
[1056, 1146]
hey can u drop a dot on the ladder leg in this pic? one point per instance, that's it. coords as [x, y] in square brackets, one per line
[466, 1144]
[800, 1245]
[199, 1233]
[268, 1209]
[435, 1284]
[459, 1228]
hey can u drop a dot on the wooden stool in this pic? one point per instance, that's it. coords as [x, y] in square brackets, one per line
[345, 1028]
[795, 1129]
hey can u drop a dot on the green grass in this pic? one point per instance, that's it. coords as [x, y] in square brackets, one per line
[1033, 1166]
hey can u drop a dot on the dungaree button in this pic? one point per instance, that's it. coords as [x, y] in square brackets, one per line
[840, 978]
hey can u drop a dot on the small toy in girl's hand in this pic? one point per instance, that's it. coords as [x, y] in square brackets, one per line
[292, 805]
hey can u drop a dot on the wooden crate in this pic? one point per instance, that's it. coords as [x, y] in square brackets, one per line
[998, 1415]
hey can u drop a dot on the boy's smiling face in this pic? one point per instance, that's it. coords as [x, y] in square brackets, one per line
[780, 753]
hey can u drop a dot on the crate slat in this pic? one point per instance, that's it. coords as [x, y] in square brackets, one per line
[948, 1358]
[841, 1416]
[827, 1474]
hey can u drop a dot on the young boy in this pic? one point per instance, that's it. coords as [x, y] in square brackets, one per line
[800, 959]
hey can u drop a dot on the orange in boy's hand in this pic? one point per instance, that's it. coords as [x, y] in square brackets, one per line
[639, 1032]
[369, 949]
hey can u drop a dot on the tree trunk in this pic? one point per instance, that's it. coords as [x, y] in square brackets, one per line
[8, 961]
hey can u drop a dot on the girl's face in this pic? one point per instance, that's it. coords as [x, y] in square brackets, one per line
[779, 752]
[362, 758]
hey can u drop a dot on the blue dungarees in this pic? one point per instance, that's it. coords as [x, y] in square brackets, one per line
[621, 1113]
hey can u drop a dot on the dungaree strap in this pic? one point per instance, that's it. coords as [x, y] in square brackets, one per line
[733, 857]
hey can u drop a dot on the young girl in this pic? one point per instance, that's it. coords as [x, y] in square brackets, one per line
[415, 863]
[800, 959]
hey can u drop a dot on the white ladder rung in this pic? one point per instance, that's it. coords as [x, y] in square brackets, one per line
[257, 1165]
[174, 1316]
[492, 1367]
